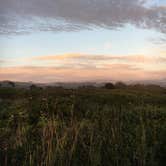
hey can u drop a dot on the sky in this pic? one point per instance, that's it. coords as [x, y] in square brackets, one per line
[82, 40]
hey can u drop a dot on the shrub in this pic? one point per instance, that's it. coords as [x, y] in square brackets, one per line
[109, 86]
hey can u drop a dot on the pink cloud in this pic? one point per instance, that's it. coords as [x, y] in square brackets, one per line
[50, 74]
[85, 67]
[91, 57]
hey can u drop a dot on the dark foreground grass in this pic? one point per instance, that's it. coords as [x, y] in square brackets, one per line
[83, 127]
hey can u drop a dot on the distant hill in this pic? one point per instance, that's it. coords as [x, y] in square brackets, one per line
[161, 82]
[8, 83]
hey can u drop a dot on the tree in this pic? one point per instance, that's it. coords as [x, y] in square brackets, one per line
[12, 84]
[33, 86]
[120, 85]
[109, 86]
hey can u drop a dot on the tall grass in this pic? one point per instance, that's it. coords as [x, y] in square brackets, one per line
[71, 128]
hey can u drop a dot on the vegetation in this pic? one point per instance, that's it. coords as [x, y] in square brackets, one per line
[109, 86]
[88, 126]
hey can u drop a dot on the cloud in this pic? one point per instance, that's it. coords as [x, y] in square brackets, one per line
[88, 61]
[161, 40]
[51, 74]
[83, 60]
[1, 61]
[86, 67]
[59, 57]
[96, 58]
[22, 16]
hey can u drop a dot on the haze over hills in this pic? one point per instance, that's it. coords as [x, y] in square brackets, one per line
[97, 83]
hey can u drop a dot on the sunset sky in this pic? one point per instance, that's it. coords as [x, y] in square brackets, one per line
[82, 40]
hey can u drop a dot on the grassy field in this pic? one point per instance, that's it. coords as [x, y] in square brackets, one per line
[83, 127]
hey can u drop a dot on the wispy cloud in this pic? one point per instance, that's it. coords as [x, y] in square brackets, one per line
[1, 61]
[91, 57]
[17, 17]
[84, 67]
[50, 74]
[161, 40]
[59, 57]
[87, 61]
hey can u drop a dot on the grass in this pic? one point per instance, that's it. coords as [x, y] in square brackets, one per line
[85, 127]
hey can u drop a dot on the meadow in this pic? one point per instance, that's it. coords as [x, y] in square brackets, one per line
[87, 126]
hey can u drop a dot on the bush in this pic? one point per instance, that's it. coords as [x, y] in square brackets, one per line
[120, 85]
[109, 86]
